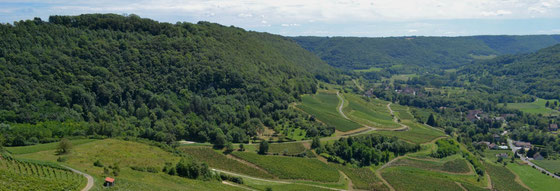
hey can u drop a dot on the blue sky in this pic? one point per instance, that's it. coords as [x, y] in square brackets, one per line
[371, 18]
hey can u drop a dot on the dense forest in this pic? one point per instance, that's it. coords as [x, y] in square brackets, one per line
[418, 54]
[112, 75]
[535, 74]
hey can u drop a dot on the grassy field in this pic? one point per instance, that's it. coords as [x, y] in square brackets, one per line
[362, 178]
[407, 178]
[373, 113]
[533, 178]
[220, 161]
[490, 155]
[502, 178]
[323, 106]
[43, 147]
[453, 164]
[127, 154]
[292, 167]
[536, 107]
[416, 134]
[18, 175]
[372, 69]
[550, 165]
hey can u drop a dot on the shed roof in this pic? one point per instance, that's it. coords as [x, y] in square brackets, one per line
[109, 179]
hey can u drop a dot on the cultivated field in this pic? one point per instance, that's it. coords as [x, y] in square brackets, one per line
[452, 164]
[292, 167]
[550, 165]
[220, 161]
[533, 178]
[127, 154]
[536, 107]
[362, 178]
[323, 106]
[373, 113]
[20, 175]
[502, 178]
[43, 147]
[408, 178]
[417, 133]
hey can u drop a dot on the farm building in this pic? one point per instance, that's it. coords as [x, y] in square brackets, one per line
[473, 115]
[502, 155]
[538, 156]
[109, 181]
[525, 145]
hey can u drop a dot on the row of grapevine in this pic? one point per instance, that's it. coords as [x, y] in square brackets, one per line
[23, 175]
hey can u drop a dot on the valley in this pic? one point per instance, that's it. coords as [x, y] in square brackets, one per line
[113, 102]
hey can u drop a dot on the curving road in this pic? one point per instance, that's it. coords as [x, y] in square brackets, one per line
[524, 159]
[89, 184]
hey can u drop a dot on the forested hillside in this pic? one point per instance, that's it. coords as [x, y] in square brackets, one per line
[418, 54]
[105, 74]
[535, 74]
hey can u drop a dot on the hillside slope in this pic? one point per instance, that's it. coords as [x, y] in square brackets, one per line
[418, 53]
[137, 77]
[535, 73]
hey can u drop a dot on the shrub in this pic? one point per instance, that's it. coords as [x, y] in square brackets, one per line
[98, 163]
[263, 147]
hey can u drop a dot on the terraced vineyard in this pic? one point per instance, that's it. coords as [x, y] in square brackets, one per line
[452, 164]
[417, 133]
[373, 113]
[362, 178]
[20, 175]
[409, 178]
[502, 178]
[323, 106]
[292, 167]
[220, 161]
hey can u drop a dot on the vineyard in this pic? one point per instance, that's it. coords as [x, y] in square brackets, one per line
[23, 175]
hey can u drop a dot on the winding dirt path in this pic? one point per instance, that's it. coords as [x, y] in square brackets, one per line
[89, 178]
[396, 120]
[341, 105]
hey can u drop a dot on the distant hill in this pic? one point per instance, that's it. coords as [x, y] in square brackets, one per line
[126, 75]
[534, 73]
[416, 54]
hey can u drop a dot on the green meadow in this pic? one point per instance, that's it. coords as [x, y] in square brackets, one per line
[536, 107]
[533, 178]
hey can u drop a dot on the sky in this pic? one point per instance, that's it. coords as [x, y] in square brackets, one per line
[367, 18]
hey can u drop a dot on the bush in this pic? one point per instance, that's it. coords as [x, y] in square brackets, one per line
[234, 179]
[64, 146]
[263, 148]
[98, 163]
[62, 159]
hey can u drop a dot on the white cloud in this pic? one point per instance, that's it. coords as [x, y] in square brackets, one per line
[288, 13]
[496, 13]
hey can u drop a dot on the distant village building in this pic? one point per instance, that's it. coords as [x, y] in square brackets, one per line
[502, 155]
[485, 143]
[474, 115]
[493, 146]
[109, 182]
[538, 156]
[553, 127]
[503, 147]
[525, 145]
[497, 137]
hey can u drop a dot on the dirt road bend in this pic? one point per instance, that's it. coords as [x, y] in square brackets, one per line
[89, 178]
